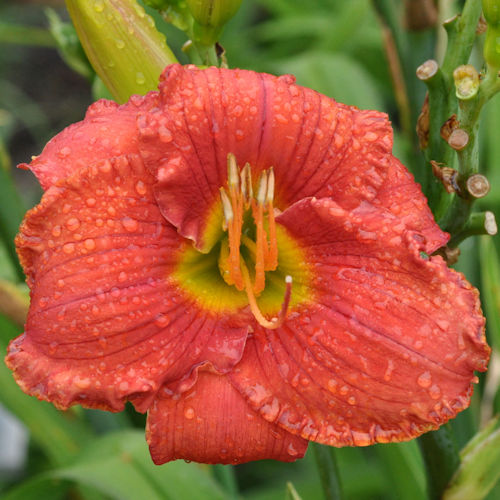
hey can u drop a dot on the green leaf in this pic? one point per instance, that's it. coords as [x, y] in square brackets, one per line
[69, 46]
[25, 35]
[11, 215]
[291, 492]
[404, 467]
[479, 471]
[39, 487]
[440, 454]
[490, 290]
[59, 434]
[328, 471]
[119, 465]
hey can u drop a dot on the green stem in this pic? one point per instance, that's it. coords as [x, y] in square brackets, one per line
[461, 31]
[460, 209]
[26, 35]
[437, 149]
[477, 224]
[441, 458]
[226, 477]
[328, 471]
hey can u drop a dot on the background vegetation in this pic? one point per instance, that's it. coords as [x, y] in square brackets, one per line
[336, 47]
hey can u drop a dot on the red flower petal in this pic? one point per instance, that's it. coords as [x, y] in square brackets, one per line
[108, 130]
[389, 346]
[105, 323]
[212, 423]
[316, 146]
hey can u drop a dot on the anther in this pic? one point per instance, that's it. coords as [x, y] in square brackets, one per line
[270, 186]
[246, 184]
[233, 178]
[227, 208]
[262, 190]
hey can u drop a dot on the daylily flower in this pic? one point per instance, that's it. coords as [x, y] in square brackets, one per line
[244, 259]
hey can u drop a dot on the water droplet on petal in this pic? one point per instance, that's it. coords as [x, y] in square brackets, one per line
[130, 224]
[162, 320]
[140, 188]
[69, 248]
[434, 391]
[424, 380]
[89, 244]
[189, 413]
[73, 224]
[292, 451]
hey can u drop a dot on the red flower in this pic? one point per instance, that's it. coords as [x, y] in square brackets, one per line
[157, 278]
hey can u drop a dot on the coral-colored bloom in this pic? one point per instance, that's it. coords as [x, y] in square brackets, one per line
[158, 278]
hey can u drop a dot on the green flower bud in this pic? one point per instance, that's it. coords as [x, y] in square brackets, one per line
[210, 17]
[122, 44]
[466, 81]
[491, 11]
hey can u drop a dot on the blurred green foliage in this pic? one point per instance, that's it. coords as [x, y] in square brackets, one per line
[333, 46]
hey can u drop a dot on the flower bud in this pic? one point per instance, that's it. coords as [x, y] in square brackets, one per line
[491, 11]
[122, 44]
[211, 16]
[491, 50]
[466, 81]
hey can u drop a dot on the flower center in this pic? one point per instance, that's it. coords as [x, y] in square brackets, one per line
[251, 236]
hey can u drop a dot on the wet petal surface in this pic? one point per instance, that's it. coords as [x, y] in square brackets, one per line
[389, 346]
[317, 147]
[212, 423]
[106, 324]
[108, 130]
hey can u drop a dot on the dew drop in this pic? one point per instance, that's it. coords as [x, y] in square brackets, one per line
[140, 188]
[351, 400]
[73, 224]
[98, 5]
[292, 451]
[332, 385]
[69, 248]
[189, 413]
[123, 386]
[130, 224]
[389, 370]
[434, 391]
[162, 320]
[424, 380]
[56, 231]
[139, 78]
[120, 44]
[89, 244]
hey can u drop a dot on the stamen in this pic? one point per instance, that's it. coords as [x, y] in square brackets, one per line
[262, 190]
[270, 186]
[226, 208]
[272, 255]
[236, 198]
[233, 177]
[246, 185]
[254, 307]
